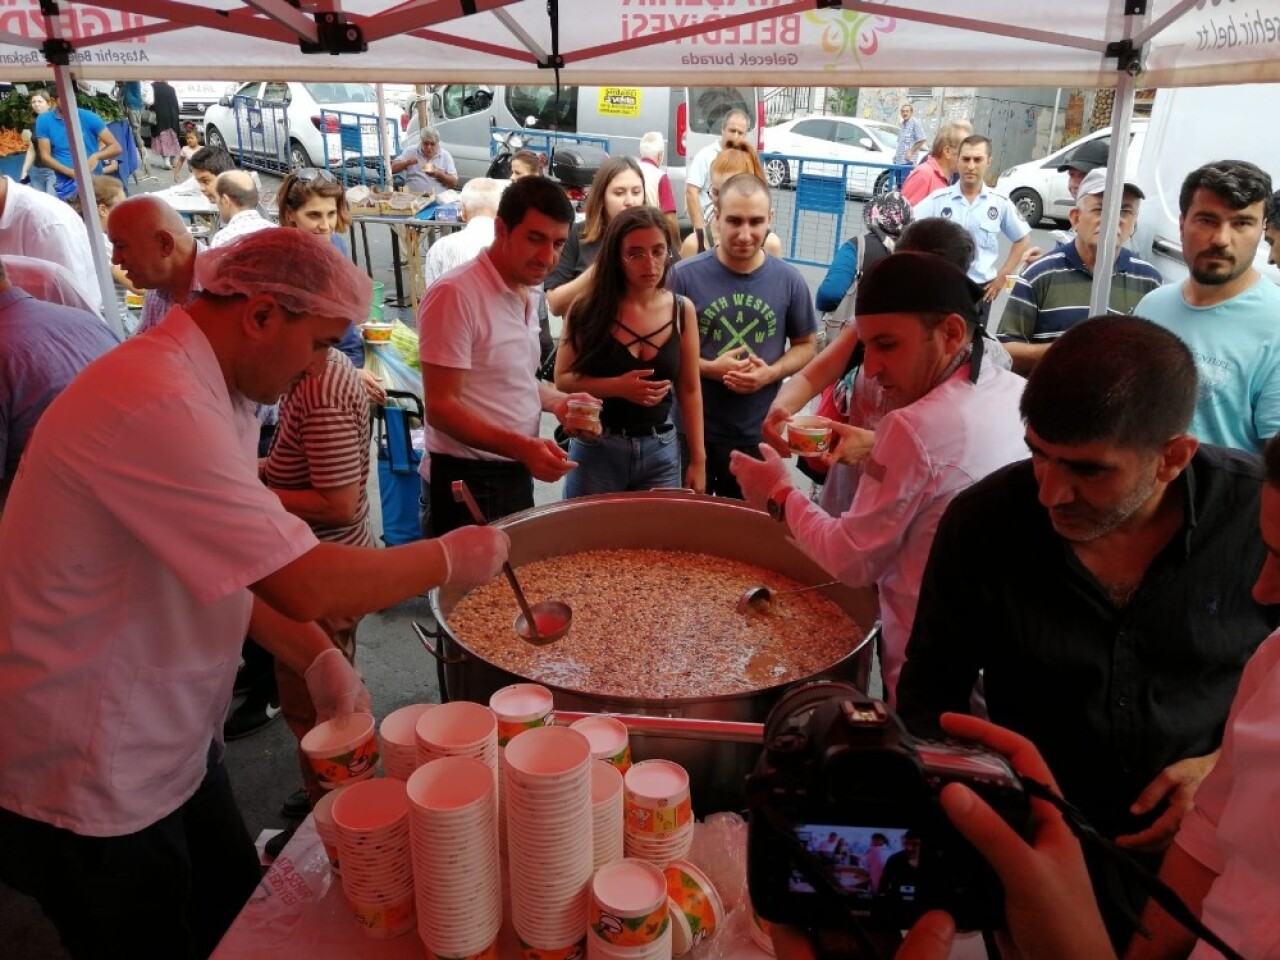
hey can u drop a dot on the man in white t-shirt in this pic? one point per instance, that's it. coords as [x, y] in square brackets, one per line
[39, 225]
[697, 178]
[478, 342]
[137, 548]
[479, 198]
[238, 200]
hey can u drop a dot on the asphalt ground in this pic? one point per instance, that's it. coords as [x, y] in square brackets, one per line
[397, 670]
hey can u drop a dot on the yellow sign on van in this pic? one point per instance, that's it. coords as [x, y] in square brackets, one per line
[619, 102]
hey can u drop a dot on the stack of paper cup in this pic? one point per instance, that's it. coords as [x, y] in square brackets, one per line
[400, 740]
[518, 707]
[455, 857]
[658, 812]
[697, 911]
[629, 918]
[608, 738]
[342, 750]
[372, 824]
[606, 813]
[547, 775]
[323, 814]
[459, 729]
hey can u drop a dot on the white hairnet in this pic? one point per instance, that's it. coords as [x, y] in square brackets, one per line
[302, 273]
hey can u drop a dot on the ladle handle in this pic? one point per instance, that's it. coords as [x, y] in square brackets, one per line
[462, 494]
[812, 586]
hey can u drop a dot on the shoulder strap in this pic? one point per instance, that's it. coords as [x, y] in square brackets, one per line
[677, 313]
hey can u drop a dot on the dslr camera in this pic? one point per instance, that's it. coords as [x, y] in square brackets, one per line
[846, 830]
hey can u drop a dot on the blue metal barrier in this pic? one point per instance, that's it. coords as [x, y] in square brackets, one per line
[545, 141]
[351, 144]
[261, 135]
[822, 188]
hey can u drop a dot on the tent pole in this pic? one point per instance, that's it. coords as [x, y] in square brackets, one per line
[1121, 116]
[384, 153]
[84, 180]
[1053, 123]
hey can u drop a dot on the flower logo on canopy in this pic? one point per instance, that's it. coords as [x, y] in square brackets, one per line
[851, 32]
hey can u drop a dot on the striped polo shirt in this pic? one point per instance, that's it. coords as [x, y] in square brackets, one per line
[1053, 293]
[323, 442]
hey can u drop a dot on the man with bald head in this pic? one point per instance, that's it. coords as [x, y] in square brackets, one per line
[238, 207]
[151, 244]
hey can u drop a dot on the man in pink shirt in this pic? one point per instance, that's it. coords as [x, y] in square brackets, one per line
[940, 166]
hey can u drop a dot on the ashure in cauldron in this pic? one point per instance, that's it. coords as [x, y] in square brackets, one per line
[671, 520]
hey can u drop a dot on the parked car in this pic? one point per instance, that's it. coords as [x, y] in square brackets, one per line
[849, 139]
[195, 97]
[1038, 190]
[689, 118]
[278, 124]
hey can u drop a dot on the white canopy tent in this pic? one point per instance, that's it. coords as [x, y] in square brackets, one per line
[1102, 43]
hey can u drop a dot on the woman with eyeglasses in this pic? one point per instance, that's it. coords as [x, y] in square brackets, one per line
[311, 199]
[618, 185]
[629, 340]
[738, 157]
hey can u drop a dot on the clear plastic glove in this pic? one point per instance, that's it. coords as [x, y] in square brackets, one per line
[759, 479]
[473, 555]
[336, 689]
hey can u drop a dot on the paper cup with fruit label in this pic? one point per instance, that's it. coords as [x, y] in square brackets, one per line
[809, 436]
[342, 750]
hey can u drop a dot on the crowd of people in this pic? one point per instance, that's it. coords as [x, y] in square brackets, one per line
[1062, 524]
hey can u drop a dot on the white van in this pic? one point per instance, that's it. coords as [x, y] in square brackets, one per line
[689, 118]
[1192, 126]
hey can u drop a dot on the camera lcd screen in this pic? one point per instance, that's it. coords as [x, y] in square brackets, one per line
[866, 862]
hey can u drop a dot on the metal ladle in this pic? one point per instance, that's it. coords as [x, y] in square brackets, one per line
[763, 597]
[543, 622]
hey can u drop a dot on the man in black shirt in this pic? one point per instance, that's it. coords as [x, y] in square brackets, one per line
[1115, 616]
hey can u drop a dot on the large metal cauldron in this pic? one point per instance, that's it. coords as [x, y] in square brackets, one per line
[672, 520]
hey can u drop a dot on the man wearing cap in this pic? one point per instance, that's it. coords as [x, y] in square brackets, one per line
[1054, 292]
[953, 420]
[1226, 310]
[1115, 627]
[1085, 159]
[985, 214]
[137, 548]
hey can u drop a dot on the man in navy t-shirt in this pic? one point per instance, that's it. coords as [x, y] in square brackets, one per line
[755, 321]
[54, 146]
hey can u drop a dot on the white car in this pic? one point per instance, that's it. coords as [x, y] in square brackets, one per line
[278, 125]
[1039, 190]
[849, 139]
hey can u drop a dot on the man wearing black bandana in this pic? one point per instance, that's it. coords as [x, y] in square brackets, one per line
[952, 420]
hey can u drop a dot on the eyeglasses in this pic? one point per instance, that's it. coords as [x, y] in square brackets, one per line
[654, 256]
[308, 174]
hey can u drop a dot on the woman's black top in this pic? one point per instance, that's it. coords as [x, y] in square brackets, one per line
[620, 414]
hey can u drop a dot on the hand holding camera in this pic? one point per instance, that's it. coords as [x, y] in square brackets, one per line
[841, 784]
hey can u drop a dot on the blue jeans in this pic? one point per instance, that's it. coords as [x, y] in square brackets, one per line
[41, 179]
[612, 463]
